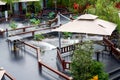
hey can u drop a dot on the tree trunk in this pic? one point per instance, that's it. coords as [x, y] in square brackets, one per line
[11, 9]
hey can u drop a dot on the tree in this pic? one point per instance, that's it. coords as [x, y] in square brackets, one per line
[10, 2]
[83, 67]
[104, 9]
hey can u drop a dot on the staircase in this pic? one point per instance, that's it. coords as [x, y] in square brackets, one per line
[114, 74]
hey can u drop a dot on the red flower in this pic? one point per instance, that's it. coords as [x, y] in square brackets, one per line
[117, 5]
[76, 6]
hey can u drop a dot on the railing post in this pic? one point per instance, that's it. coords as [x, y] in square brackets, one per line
[97, 55]
[23, 29]
[33, 33]
[40, 65]
[63, 64]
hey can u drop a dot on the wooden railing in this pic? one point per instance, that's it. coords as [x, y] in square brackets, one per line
[115, 52]
[24, 31]
[65, 64]
[9, 76]
[112, 48]
[107, 42]
[34, 47]
[42, 64]
[69, 48]
[54, 70]
[4, 19]
[32, 31]
[23, 16]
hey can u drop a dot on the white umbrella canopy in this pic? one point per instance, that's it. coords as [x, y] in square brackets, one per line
[2, 3]
[89, 24]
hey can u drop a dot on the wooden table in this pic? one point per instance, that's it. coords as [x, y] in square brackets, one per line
[13, 38]
[1, 73]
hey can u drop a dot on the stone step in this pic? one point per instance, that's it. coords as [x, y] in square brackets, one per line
[114, 74]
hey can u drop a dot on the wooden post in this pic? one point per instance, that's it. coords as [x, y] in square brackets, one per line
[63, 64]
[33, 32]
[14, 46]
[40, 66]
[23, 29]
[97, 55]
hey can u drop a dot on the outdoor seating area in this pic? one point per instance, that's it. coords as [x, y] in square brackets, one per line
[59, 40]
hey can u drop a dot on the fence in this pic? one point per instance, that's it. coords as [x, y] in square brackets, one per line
[115, 51]
[40, 63]
[9, 76]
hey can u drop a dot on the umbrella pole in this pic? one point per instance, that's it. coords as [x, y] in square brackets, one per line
[59, 34]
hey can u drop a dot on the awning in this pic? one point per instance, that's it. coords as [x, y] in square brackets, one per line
[26, 0]
[2, 3]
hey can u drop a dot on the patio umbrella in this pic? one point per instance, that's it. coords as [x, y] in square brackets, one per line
[88, 24]
[2, 3]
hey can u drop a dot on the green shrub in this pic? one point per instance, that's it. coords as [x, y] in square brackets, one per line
[35, 21]
[83, 67]
[28, 15]
[51, 15]
[67, 34]
[37, 6]
[13, 25]
[38, 37]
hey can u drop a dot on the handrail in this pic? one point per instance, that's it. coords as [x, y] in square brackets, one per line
[69, 48]
[54, 70]
[47, 23]
[34, 47]
[33, 31]
[9, 76]
[65, 65]
[112, 48]
[3, 19]
[108, 42]
[115, 52]
[60, 58]
[19, 16]
[26, 27]
[30, 45]
[42, 64]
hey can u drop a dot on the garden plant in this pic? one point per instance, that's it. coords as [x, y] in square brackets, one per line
[83, 67]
